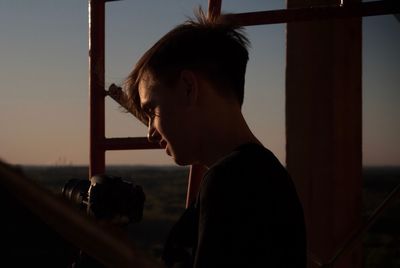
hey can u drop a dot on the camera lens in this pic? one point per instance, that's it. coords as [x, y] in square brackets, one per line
[76, 190]
[106, 197]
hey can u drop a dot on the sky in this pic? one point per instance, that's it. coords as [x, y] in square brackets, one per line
[44, 117]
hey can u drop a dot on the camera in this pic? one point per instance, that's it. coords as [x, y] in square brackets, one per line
[107, 197]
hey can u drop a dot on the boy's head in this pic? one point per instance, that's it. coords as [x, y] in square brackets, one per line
[212, 47]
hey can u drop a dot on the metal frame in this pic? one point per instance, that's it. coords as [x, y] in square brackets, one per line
[317, 13]
[99, 144]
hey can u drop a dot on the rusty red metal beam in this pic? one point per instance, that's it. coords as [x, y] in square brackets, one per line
[214, 7]
[316, 13]
[96, 86]
[136, 143]
[329, 184]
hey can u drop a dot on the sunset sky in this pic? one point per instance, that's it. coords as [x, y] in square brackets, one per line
[44, 78]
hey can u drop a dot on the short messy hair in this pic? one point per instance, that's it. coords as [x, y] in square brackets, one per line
[212, 46]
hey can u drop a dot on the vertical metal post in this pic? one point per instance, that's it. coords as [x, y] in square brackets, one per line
[214, 7]
[323, 129]
[96, 86]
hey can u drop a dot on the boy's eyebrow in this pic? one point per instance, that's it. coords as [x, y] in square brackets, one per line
[146, 105]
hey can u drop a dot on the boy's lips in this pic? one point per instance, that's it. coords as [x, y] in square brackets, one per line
[163, 144]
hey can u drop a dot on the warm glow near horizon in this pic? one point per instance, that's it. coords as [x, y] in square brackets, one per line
[44, 79]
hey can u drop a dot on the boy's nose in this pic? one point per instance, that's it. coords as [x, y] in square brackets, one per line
[152, 134]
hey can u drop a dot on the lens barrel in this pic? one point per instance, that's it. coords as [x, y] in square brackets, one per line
[76, 190]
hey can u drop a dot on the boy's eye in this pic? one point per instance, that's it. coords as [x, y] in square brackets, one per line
[150, 113]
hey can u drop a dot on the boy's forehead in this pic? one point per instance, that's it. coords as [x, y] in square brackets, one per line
[144, 91]
[145, 84]
[146, 88]
[146, 81]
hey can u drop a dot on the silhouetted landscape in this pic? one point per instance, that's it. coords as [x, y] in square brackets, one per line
[165, 189]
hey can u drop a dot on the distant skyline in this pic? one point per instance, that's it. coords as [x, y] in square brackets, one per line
[44, 78]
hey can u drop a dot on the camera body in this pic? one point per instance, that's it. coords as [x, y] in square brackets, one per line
[107, 197]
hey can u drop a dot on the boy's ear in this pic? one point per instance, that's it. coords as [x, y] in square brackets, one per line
[190, 85]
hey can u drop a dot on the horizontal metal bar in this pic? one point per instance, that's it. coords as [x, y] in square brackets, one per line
[137, 143]
[315, 13]
[107, 244]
